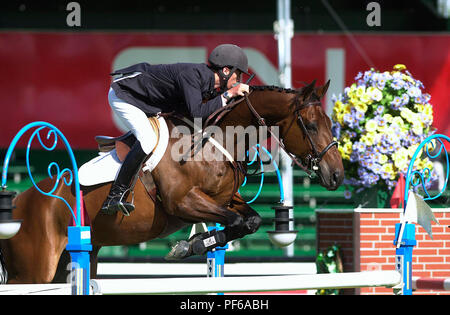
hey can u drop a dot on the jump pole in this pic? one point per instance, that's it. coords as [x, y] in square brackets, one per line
[79, 236]
[247, 284]
[431, 284]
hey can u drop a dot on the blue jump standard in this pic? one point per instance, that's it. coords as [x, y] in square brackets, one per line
[79, 237]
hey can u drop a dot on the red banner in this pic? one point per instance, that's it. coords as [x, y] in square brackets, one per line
[63, 78]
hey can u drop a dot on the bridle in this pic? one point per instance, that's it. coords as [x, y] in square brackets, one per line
[311, 162]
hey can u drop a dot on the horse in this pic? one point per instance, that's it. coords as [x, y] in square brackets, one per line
[189, 191]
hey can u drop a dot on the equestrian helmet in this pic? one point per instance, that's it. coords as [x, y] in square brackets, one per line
[229, 55]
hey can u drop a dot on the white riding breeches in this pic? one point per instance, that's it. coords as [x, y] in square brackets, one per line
[135, 120]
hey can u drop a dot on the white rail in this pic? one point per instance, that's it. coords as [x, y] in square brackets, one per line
[247, 284]
[211, 285]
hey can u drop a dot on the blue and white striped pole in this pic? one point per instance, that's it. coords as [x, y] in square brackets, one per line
[215, 259]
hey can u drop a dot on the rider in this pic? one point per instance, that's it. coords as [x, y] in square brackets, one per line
[143, 90]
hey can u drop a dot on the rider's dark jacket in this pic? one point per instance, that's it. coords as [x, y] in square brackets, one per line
[165, 88]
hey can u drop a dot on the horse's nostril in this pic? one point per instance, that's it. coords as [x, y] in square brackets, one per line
[336, 176]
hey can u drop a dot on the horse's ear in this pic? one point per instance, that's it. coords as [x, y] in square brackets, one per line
[308, 90]
[321, 91]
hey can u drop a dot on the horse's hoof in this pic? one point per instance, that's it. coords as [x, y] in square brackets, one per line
[181, 250]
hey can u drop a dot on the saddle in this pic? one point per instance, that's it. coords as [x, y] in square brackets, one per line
[123, 145]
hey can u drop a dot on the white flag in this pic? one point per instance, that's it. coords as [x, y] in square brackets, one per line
[417, 210]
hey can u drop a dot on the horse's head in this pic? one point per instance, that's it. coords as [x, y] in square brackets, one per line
[308, 136]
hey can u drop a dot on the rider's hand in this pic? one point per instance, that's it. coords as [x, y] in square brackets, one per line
[238, 90]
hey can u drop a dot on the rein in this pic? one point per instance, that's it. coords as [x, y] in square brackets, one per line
[313, 159]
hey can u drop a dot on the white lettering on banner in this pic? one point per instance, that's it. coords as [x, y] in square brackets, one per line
[374, 17]
[74, 17]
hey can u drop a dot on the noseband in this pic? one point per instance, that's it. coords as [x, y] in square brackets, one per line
[312, 160]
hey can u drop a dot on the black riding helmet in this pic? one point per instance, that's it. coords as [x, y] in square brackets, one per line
[231, 56]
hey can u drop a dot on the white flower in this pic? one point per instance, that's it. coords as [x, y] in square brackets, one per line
[375, 94]
[414, 92]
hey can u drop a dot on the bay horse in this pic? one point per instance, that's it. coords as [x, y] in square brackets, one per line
[190, 192]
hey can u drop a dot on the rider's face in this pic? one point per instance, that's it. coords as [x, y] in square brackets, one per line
[235, 78]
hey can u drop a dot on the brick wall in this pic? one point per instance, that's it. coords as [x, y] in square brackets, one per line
[366, 240]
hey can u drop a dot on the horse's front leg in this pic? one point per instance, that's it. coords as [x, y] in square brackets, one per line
[252, 220]
[240, 221]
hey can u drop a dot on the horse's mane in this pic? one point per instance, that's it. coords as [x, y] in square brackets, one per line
[273, 88]
[297, 92]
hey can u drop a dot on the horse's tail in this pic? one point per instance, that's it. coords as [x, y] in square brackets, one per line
[3, 272]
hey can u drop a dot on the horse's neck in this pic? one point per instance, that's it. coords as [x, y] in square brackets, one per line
[242, 127]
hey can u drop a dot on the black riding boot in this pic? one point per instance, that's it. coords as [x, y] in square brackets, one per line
[116, 200]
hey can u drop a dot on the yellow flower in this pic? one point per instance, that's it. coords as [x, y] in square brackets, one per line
[408, 78]
[351, 92]
[338, 106]
[398, 121]
[407, 114]
[428, 164]
[371, 125]
[344, 155]
[388, 117]
[428, 111]
[389, 169]
[399, 67]
[374, 93]
[360, 106]
[419, 107]
[382, 159]
[400, 158]
[368, 138]
[412, 149]
[366, 99]
[360, 90]
[346, 109]
[382, 129]
[348, 148]
[417, 127]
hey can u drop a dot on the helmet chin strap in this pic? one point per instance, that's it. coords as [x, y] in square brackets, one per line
[224, 78]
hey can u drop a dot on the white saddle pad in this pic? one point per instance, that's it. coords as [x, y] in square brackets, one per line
[105, 167]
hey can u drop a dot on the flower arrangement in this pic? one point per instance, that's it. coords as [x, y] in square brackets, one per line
[379, 121]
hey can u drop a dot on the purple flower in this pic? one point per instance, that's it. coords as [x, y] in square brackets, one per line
[405, 99]
[359, 146]
[347, 194]
[367, 76]
[381, 81]
[380, 109]
[397, 84]
[397, 102]
[358, 76]
[359, 116]
[414, 91]
[336, 130]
